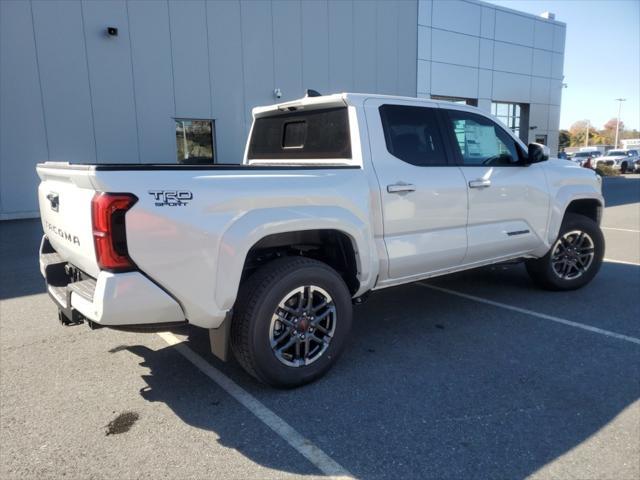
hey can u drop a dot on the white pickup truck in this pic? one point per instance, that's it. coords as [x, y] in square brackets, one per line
[337, 196]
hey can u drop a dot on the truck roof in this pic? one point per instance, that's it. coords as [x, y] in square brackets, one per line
[344, 98]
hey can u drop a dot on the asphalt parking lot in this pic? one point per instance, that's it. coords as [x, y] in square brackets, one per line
[476, 375]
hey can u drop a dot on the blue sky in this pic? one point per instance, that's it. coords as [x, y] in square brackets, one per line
[602, 57]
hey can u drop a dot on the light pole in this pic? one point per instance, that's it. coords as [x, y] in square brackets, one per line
[619, 100]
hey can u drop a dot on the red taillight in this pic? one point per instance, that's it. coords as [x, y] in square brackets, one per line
[109, 234]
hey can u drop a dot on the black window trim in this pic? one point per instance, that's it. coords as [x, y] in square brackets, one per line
[455, 149]
[441, 124]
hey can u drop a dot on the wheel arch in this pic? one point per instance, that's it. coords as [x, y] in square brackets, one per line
[574, 199]
[277, 229]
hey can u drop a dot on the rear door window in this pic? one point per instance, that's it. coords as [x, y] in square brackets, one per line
[312, 134]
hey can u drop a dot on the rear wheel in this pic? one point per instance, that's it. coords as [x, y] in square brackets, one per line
[575, 257]
[291, 321]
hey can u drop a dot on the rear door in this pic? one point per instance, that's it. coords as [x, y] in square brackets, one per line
[424, 198]
[508, 200]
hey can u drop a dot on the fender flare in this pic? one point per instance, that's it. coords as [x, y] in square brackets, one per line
[249, 229]
[564, 197]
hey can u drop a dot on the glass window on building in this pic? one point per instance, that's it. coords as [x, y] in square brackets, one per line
[509, 114]
[195, 141]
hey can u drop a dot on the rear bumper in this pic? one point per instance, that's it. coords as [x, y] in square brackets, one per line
[112, 299]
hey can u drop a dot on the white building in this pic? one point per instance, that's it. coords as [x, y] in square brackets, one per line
[630, 143]
[156, 81]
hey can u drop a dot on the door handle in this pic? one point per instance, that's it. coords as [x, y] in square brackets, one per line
[401, 187]
[480, 183]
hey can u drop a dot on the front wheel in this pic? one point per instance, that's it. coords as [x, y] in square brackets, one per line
[575, 257]
[623, 167]
[291, 320]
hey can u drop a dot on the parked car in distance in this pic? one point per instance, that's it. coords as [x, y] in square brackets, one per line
[581, 157]
[336, 196]
[625, 160]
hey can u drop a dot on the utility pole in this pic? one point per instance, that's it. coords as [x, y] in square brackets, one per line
[586, 138]
[619, 100]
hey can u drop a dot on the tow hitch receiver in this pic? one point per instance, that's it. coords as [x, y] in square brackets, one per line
[76, 318]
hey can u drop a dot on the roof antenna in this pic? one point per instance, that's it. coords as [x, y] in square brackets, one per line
[312, 93]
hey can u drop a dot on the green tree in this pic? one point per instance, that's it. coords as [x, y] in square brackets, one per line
[564, 139]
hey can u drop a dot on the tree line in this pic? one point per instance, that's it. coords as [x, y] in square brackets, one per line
[577, 134]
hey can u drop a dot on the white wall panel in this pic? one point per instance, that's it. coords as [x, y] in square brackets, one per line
[557, 65]
[315, 45]
[456, 48]
[454, 81]
[407, 47]
[540, 90]
[424, 12]
[287, 48]
[257, 48]
[365, 59]
[65, 80]
[555, 91]
[543, 35]
[23, 140]
[554, 119]
[559, 34]
[424, 43]
[508, 57]
[488, 22]
[153, 80]
[511, 87]
[485, 83]
[111, 82]
[424, 77]
[457, 16]
[340, 46]
[227, 79]
[514, 28]
[539, 117]
[541, 63]
[387, 48]
[486, 53]
[188, 22]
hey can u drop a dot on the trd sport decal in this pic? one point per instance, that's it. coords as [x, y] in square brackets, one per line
[171, 198]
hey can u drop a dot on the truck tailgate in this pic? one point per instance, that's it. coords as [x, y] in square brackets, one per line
[64, 196]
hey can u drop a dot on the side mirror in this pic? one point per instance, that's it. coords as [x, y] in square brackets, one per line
[538, 153]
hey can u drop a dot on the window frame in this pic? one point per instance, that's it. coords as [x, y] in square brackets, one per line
[455, 148]
[440, 125]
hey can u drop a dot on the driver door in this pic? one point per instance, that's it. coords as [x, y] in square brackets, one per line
[508, 200]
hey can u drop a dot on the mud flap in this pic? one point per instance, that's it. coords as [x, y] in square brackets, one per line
[219, 339]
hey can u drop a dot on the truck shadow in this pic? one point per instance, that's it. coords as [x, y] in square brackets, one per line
[19, 244]
[429, 386]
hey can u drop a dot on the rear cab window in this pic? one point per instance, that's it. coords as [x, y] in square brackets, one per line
[320, 134]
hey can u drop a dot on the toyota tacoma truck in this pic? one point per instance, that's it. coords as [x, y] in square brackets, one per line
[336, 196]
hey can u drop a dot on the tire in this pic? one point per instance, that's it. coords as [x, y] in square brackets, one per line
[623, 167]
[547, 271]
[255, 323]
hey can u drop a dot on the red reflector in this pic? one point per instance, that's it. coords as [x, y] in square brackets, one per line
[109, 234]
